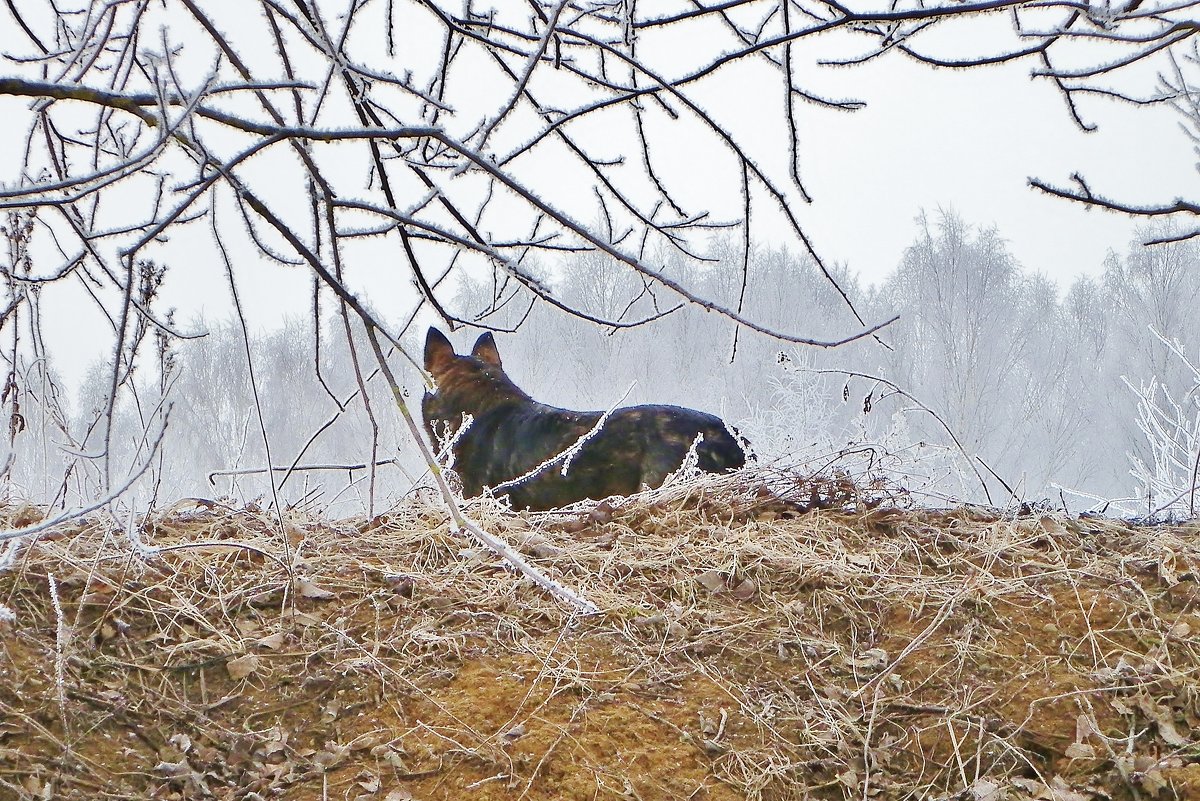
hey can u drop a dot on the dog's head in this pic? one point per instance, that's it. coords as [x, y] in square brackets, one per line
[472, 384]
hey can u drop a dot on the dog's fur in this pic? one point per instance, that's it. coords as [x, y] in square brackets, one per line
[511, 434]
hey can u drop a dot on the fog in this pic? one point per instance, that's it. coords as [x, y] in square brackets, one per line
[994, 386]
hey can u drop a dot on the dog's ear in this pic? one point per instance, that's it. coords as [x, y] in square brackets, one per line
[485, 350]
[439, 353]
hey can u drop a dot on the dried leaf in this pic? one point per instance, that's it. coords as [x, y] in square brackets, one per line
[1153, 781]
[402, 584]
[1052, 526]
[539, 547]
[1061, 790]
[173, 770]
[305, 619]
[272, 642]
[871, 659]
[575, 526]
[1167, 731]
[363, 742]
[603, 538]
[306, 589]
[276, 742]
[242, 667]
[1080, 751]
[601, 514]
[745, 590]
[984, 790]
[98, 594]
[712, 581]
[1164, 719]
[332, 755]
[1084, 728]
[33, 784]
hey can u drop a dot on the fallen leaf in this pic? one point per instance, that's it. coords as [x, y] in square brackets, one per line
[1165, 721]
[173, 770]
[331, 756]
[871, 659]
[272, 642]
[1080, 751]
[242, 667]
[363, 742]
[745, 590]
[1084, 728]
[1060, 790]
[677, 631]
[306, 589]
[984, 790]
[1153, 781]
[98, 594]
[1031, 786]
[712, 581]
[603, 538]
[402, 584]
[304, 618]
[1052, 526]
[539, 547]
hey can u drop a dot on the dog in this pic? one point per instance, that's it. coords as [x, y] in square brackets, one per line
[542, 457]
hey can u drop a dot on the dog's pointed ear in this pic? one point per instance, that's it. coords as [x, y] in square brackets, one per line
[485, 350]
[438, 351]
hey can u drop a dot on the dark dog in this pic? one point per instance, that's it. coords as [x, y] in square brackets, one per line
[511, 435]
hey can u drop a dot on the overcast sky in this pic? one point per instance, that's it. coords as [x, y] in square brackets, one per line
[971, 139]
[928, 139]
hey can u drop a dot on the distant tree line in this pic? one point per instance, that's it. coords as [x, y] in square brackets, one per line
[1040, 388]
[1047, 394]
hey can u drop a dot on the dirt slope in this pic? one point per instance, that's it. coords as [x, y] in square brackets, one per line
[746, 649]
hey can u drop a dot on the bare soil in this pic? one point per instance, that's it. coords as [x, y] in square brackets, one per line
[747, 648]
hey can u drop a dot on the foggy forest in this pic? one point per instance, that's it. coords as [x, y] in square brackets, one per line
[996, 386]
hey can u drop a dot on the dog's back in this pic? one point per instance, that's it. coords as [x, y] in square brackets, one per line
[511, 435]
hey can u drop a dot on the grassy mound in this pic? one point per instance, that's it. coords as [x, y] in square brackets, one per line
[747, 647]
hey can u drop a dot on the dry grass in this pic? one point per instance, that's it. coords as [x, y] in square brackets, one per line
[812, 643]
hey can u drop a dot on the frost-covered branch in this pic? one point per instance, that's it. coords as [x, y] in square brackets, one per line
[1171, 427]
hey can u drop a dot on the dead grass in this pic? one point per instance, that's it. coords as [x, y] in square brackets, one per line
[810, 643]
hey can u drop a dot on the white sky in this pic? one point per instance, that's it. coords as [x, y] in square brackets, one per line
[971, 139]
[927, 139]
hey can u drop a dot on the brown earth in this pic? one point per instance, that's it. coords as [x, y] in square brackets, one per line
[745, 649]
